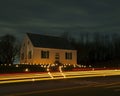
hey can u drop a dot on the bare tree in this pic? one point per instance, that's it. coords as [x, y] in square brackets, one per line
[9, 49]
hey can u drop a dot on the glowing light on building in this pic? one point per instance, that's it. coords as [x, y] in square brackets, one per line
[16, 66]
[26, 70]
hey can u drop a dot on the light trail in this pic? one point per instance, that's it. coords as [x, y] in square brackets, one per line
[48, 70]
[50, 75]
[60, 69]
[56, 75]
[23, 76]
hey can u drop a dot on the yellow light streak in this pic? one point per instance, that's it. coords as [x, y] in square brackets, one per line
[60, 69]
[12, 78]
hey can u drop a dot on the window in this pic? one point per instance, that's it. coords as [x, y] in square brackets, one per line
[68, 56]
[44, 54]
[29, 55]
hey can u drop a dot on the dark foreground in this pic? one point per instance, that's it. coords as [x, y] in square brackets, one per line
[97, 86]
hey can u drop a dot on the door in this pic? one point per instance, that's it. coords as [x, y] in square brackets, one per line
[57, 58]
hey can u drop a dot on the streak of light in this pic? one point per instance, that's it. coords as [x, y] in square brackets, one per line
[60, 68]
[57, 75]
[50, 75]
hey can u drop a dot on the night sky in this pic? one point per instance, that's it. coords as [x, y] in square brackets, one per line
[56, 16]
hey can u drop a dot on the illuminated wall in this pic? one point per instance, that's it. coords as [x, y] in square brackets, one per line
[25, 48]
[35, 54]
[52, 52]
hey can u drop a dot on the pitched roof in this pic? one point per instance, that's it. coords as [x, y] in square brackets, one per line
[45, 41]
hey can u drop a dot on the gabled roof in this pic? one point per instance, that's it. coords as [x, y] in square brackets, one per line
[45, 41]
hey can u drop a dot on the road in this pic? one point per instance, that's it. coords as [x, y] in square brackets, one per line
[105, 82]
[25, 77]
[88, 86]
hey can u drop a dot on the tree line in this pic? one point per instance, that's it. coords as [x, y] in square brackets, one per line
[97, 49]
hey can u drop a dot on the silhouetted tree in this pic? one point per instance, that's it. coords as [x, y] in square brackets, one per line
[9, 49]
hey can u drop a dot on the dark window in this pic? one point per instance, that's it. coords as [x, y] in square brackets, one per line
[68, 56]
[29, 55]
[44, 54]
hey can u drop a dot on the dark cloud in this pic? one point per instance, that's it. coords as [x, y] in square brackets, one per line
[57, 16]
